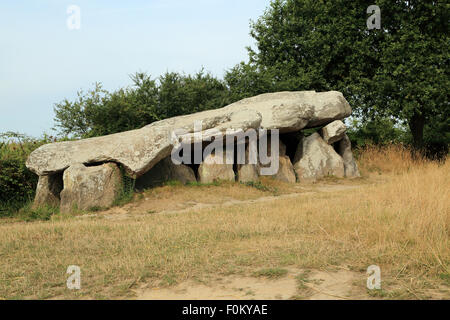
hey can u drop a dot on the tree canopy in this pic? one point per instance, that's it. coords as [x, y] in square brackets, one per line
[99, 112]
[400, 70]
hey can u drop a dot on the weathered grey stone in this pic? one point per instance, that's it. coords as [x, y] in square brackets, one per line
[248, 172]
[333, 131]
[316, 159]
[292, 111]
[286, 171]
[48, 190]
[139, 150]
[251, 172]
[89, 187]
[281, 152]
[165, 171]
[328, 106]
[213, 168]
[345, 150]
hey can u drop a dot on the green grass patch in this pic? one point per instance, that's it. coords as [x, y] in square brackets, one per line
[169, 280]
[215, 183]
[445, 277]
[272, 273]
[173, 183]
[302, 279]
[128, 189]
[258, 185]
[28, 213]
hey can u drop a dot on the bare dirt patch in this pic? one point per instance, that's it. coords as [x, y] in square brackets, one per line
[339, 285]
[296, 284]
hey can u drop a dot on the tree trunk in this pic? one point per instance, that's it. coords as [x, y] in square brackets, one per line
[416, 124]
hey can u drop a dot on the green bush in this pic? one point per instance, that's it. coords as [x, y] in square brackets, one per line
[127, 193]
[17, 183]
[378, 131]
[27, 213]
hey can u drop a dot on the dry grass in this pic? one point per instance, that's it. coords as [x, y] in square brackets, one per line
[399, 222]
[174, 197]
[390, 159]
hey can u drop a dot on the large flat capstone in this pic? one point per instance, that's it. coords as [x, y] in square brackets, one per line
[139, 150]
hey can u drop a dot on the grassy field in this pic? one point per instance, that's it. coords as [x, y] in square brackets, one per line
[396, 216]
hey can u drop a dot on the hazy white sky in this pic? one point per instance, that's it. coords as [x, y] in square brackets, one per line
[42, 61]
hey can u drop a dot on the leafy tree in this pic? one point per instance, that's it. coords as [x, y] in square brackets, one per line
[246, 80]
[71, 117]
[400, 70]
[99, 112]
[380, 131]
[413, 74]
[180, 94]
[125, 109]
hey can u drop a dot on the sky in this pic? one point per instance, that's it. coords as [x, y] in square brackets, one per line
[43, 61]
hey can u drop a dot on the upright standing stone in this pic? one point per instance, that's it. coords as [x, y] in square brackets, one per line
[286, 171]
[215, 169]
[317, 159]
[89, 187]
[248, 172]
[350, 166]
[48, 190]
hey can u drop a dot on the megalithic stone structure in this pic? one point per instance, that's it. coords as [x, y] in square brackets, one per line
[138, 151]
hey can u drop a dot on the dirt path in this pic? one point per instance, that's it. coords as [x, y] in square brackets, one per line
[130, 210]
[296, 284]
